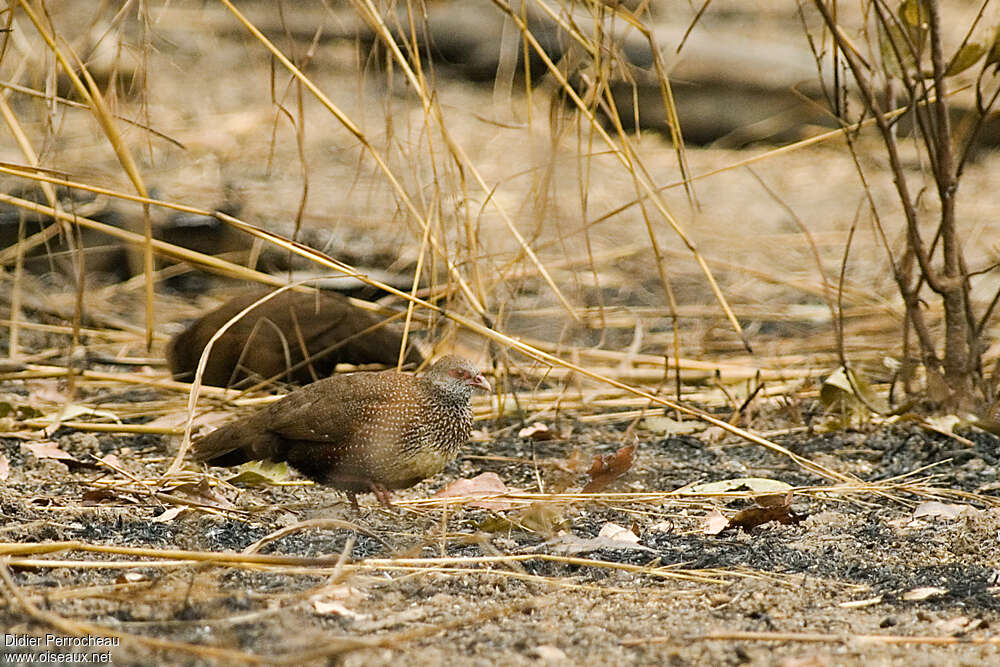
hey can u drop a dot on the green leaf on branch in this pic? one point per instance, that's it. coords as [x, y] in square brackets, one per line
[993, 57]
[913, 14]
[965, 58]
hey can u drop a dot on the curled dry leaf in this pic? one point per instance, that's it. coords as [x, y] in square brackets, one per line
[770, 507]
[606, 469]
[480, 486]
[537, 431]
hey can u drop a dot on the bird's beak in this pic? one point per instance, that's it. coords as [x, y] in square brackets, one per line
[481, 382]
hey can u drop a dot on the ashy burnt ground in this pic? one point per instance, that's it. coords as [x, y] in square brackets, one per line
[421, 583]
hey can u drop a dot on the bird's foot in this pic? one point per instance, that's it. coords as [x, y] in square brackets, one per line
[381, 493]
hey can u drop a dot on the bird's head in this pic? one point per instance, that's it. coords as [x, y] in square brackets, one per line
[456, 376]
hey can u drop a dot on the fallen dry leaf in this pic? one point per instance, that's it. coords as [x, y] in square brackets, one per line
[573, 545]
[130, 578]
[201, 423]
[613, 531]
[204, 494]
[4, 468]
[755, 484]
[538, 431]
[936, 510]
[261, 473]
[93, 497]
[859, 604]
[49, 450]
[538, 517]
[715, 523]
[606, 469]
[112, 460]
[480, 486]
[169, 514]
[923, 593]
[959, 625]
[330, 601]
[770, 507]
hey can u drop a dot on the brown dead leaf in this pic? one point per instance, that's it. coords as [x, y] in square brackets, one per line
[203, 494]
[168, 515]
[770, 507]
[480, 486]
[538, 432]
[538, 517]
[49, 450]
[606, 469]
[93, 497]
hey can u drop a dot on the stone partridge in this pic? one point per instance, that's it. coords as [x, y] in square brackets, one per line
[359, 432]
[269, 340]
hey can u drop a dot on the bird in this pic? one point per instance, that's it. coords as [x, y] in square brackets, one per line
[359, 432]
[268, 342]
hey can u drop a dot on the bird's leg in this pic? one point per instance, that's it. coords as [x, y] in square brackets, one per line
[381, 493]
[353, 497]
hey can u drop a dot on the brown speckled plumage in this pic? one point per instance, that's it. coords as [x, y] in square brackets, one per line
[266, 342]
[359, 432]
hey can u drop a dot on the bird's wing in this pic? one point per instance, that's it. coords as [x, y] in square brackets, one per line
[330, 410]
